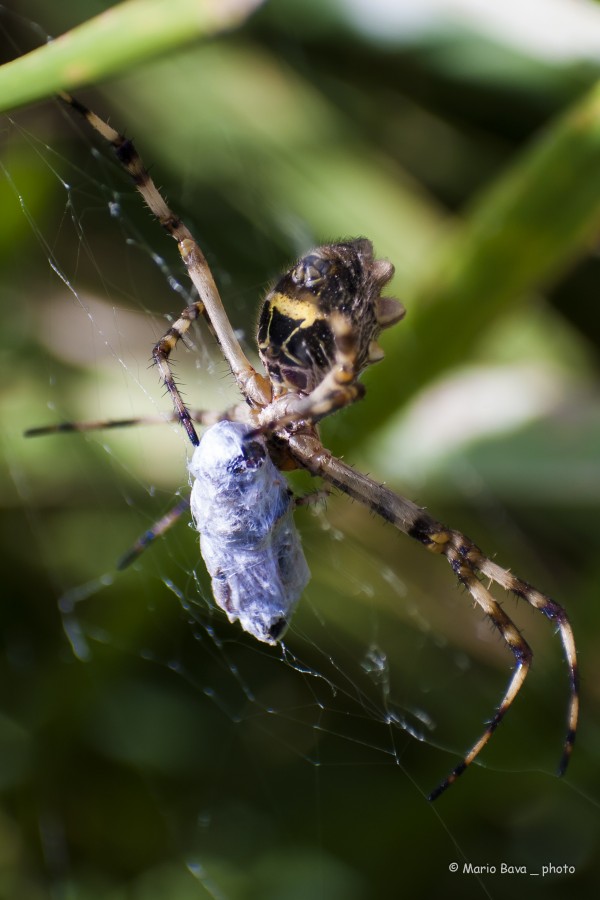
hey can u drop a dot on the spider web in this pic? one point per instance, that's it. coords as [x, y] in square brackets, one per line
[184, 757]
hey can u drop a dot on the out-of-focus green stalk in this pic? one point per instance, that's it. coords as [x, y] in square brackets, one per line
[129, 33]
[532, 222]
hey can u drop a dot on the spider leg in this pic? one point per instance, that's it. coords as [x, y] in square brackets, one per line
[467, 562]
[200, 416]
[155, 531]
[255, 387]
[518, 647]
[338, 388]
[556, 614]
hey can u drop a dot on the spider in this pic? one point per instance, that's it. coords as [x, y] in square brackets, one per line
[317, 332]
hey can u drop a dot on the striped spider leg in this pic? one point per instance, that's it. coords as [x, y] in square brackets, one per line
[468, 563]
[254, 387]
[317, 332]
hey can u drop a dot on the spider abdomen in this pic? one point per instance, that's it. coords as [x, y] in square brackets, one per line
[296, 337]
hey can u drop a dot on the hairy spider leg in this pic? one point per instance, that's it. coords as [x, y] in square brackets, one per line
[255, 387]
[155, 531]
[467, 562]
[338, 388]
[199, 416]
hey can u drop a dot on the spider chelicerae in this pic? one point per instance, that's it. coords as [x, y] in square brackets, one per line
[317, 332]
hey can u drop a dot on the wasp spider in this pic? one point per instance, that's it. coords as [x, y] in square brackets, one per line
[317, 332]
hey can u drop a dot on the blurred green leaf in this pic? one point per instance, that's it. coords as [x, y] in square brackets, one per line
[532, 222]
[104, 46]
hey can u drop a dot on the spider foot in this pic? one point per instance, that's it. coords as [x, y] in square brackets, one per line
[451, 778]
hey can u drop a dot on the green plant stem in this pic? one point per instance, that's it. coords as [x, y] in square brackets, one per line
[125, 35]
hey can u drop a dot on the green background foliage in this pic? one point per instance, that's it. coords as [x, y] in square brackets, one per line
[148, 769]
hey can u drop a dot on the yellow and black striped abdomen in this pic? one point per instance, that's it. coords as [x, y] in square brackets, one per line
[335, 282]
[295, 341]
